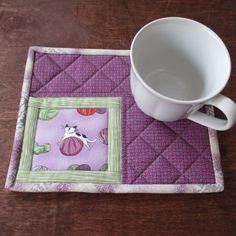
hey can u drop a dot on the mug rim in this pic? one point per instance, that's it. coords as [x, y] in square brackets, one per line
[179, 101]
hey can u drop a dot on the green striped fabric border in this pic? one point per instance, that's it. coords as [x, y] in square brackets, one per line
[74, 102]
[29, 137]
[112, 175]
[68, 177]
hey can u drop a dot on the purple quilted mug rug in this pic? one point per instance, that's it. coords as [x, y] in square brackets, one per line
[153, 153]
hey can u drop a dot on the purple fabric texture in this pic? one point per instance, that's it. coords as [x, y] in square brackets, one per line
[63, 153]
[153, 152]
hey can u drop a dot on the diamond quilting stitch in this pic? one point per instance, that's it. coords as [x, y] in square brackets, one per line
[35, 85]
[184, 157]
[160, 171]
[97, 83]
[37, 55]
[63, 62]
[120, 70]
[66, 83]
[99, 61]
[137, 121]
[140, 155]
[47, 74]
[158, 136]
[81, 70]
[178, 126]
[182, 180]
[199, 144]
[199, 172]
[124, 86]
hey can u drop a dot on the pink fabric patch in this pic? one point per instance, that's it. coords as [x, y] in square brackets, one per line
[73, 148]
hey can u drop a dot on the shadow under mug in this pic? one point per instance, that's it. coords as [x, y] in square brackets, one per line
[177, 66]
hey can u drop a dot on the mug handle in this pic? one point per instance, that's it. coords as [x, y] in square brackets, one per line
[226, 105]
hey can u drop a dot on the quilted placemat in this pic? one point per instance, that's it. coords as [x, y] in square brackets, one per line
[79, 129]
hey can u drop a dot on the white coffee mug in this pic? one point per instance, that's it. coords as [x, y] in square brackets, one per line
[177, 66]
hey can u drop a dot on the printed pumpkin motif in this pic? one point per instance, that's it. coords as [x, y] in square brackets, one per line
[71, 146]
[101, 110]
[84, 167]
[104, 167]
[73, 167]
[79, 167]
[103, 136]
[45, 114]
[40, 168]
[86, 111]
[38, 149]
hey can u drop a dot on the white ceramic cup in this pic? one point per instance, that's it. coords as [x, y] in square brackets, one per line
[177, 66]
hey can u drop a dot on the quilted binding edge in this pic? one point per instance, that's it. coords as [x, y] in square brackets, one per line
[88, 187]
